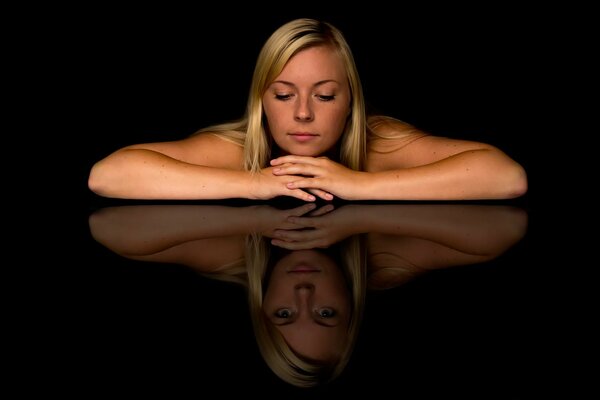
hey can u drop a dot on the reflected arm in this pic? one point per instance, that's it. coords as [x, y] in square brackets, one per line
[201, 236]
[410, 240]
[472, 229]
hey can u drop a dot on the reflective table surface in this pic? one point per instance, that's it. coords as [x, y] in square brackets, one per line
[416, 298]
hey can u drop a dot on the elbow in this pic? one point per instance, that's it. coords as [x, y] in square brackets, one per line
[516, 183]
[98, 180]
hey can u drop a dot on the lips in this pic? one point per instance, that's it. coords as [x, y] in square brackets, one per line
[304, 268]
[303, 136]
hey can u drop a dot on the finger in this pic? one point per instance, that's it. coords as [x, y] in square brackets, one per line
[296, 235]
[299, 245]
[290, 245]
[322, 194]
[322, 211]
[300, 194]
[294, 160]
[306, 183]
[306, 222]
[298, 169]
[303, 209]
[278, 168]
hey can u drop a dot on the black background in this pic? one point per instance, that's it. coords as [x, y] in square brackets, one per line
[140, 75]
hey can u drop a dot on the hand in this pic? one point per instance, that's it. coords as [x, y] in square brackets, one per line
[267, 220]
[266, 185]
[319, 229]
[321, 174]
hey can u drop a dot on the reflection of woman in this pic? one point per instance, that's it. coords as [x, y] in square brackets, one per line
[306, 307]
[306, 303]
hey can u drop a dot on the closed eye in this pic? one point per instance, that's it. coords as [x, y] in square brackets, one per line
[283, 97]
[325, 98]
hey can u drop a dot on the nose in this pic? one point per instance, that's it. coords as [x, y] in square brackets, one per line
[304, 298]
[304, 287]
[304, 112]
[304, 291]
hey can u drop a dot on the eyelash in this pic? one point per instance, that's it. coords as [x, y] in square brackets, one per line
[323, 313]
[285, 97]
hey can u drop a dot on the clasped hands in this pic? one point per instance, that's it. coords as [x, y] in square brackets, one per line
[307, 226]
[307, 178]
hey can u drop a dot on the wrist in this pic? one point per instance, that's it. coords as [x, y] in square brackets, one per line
[363, 186]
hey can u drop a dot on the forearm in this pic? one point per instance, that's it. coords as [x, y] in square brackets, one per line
[476, 174]
[473, 229]
[146, 174]
[166, 225]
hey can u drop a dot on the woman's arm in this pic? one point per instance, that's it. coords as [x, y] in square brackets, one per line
[200, 167]
[435, 237]
[407, 240]
[404, 163]
[478, 230]
[144, 230]
[202, 237]
[445, 169]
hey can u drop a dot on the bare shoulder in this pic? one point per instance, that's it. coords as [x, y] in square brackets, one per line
[386, 127]
[387, 136]
[396, 144]
[206, 148]
[387, 132]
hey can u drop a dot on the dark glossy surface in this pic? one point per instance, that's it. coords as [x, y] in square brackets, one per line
[461, 326]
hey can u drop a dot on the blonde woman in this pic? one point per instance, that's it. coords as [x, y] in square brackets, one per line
[305, 134]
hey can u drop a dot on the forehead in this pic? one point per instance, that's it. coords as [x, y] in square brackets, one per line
[314, 64]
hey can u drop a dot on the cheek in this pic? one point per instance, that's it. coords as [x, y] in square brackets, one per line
[337, 122]
[272, 115]
[277, 292]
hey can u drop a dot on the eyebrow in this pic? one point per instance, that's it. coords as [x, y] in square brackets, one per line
[319, 83]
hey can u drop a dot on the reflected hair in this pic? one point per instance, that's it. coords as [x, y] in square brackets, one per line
[282, 45]
[279, 356]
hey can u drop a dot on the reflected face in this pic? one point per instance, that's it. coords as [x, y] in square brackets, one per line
[307, 105]
[307, 300]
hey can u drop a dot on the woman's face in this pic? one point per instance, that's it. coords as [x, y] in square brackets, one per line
[307, 300]
[308, 104]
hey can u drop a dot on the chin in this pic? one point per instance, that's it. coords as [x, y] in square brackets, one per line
[303, 152]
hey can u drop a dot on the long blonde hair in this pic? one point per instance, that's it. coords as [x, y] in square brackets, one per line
[279, 356]
[283, 44]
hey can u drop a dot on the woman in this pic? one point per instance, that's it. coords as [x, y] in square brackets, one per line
[305, 134]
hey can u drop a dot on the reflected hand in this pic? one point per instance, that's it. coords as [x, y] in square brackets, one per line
[321, 174]
[269, 219]
[319, 229]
